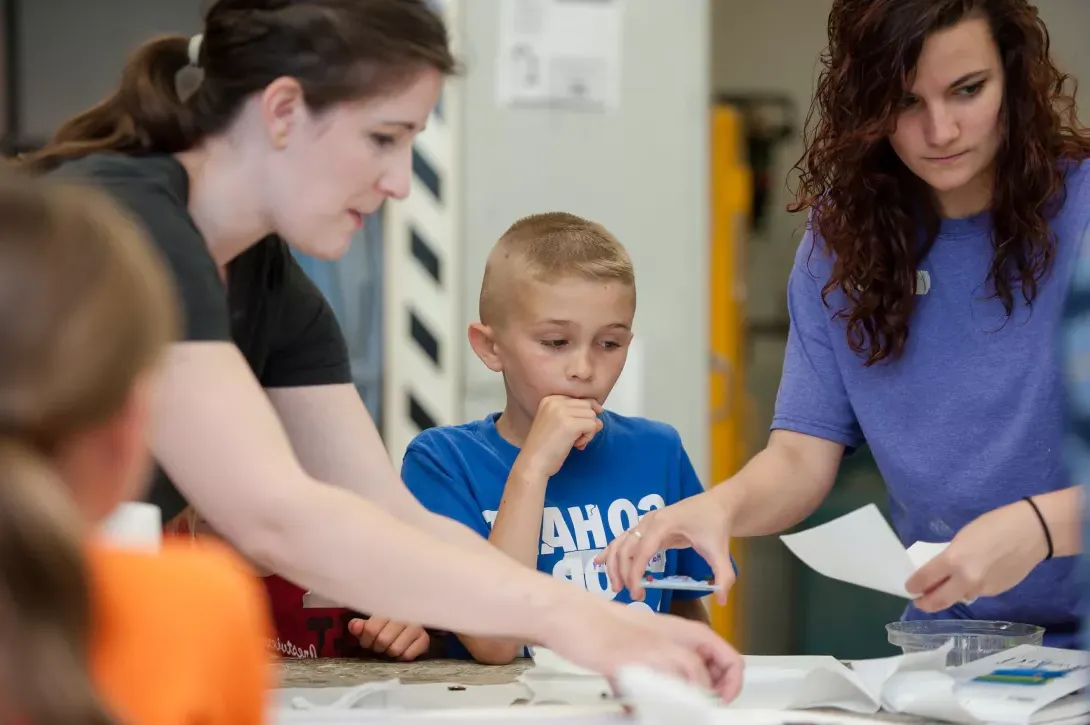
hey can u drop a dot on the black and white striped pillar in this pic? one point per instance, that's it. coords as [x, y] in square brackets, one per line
[423, 276]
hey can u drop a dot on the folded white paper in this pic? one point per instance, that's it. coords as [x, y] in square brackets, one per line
[861, 548]
[390, 697]
[549, 664]
[919, 684]
[658, 700]
[913, 685]
[811, 682]
[354, 697]
[554, 680]
[1059, 698]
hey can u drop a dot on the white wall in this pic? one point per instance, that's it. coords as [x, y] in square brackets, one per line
[641, 171]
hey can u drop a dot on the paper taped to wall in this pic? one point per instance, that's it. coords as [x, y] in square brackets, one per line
[560, 53]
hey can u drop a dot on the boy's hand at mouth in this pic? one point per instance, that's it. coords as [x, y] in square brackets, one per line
[561, 423]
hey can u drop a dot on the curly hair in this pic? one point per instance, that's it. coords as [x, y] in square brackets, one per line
[869, 208]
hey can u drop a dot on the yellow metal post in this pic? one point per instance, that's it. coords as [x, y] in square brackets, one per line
[731, 189]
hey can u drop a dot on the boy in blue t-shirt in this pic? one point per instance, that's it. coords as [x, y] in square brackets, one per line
[553, 478]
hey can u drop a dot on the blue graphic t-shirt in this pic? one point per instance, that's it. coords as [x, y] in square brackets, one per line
[631, 467]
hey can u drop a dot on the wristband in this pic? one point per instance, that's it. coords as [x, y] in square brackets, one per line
[1044, 525]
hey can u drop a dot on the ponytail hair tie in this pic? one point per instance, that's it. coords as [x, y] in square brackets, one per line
[195, 50]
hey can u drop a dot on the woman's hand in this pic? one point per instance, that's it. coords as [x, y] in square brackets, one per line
[405, 642]
[992, 554]
[607, 636]
[701, 521]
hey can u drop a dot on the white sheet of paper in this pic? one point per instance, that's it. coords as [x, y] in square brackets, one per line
[785, 683]
[924, 551]
[1018, 704]
[861, 548]
[661, 699]
[548, 663]
[560, 53]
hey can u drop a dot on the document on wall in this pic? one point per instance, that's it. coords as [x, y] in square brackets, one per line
[560, 54]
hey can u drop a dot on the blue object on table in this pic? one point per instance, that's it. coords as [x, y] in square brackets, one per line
[1047, 674]
[1025, 676]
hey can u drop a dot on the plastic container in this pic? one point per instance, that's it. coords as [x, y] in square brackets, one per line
[973, 639]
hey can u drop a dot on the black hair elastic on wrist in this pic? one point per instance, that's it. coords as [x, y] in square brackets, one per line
[1041, 518]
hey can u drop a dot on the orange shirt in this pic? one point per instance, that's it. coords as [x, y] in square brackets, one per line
[180, 636]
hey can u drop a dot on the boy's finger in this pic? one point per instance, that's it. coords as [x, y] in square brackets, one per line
[388, 636]
[374, 625]
[402, 642]
[417, 648]
[370, 631]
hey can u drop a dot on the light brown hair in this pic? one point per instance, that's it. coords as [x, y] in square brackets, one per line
[85, 307]
[338, 51]
[548, 247]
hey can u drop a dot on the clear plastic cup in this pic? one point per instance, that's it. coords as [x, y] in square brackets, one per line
[973, 639]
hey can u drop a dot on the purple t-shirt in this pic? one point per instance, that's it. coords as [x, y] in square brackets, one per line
[970, 418]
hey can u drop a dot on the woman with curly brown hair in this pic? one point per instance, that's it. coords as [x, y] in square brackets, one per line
[947, 194]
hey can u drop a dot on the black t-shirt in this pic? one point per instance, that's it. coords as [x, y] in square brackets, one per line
[270, 309]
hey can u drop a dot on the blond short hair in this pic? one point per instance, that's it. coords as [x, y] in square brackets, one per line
[549, 247]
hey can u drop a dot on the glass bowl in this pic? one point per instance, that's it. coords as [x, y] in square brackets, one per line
[973, 639]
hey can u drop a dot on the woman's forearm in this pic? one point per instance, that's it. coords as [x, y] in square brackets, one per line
[781, 485]
[336, 441]
[447, 530]
[407, 574]
[217, 435]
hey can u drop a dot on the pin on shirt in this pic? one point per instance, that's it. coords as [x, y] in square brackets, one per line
[923, 281]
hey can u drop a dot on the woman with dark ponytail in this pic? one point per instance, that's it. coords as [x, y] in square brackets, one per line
[301, 126]
[91, 635]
